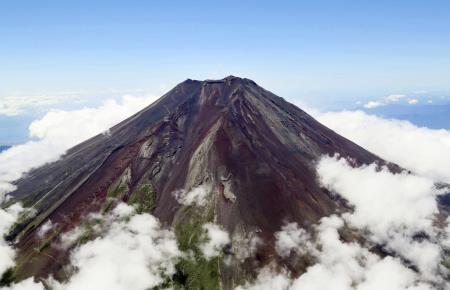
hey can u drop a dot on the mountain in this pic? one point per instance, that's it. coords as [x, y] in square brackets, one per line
[253, 151]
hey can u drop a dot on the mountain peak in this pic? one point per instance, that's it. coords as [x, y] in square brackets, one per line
[227, 80]
[253, 152]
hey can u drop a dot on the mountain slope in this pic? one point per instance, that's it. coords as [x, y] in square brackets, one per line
[253, 152]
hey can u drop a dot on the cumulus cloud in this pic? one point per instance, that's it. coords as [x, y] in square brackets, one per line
[373, 104]
[128, 251]
[291, 238]
[410, 199]
[7, 219]
[197, 196]
[134, 252]
[16, 105]
[27, 284]
[268, 279]
[341, 265]
[394, 208]
[51, 136]
[59, 130]
[413, 101]
[216, 240]
[244, 246]
[424, 151]
[384, 101]
[390, 210]
[446, 235]
[45, 228]
[140, 254]
[371, 190]
[394, 98]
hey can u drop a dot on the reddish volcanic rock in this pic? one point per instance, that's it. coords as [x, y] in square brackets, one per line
[255, 151]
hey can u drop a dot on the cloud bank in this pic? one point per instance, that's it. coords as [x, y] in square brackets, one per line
[340, 265]
[51, 136]
[393, 208]
[216, 239]
[424, 151]
[197, 196]
[384, 101]
[60, 130]
[390, 209]
[134, 252]
[16, 105]
[7, 219]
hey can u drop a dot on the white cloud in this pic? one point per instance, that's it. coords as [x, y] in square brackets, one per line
[7, 253]
[341, 265]
[349, 266]
[53, 134]
[244, 246]
[138, 253]
[424, 151]
[59, 130]
[394, 98]
[133, 253]
[268, 279]
[28, 284]
[291, 238]
[389, 208]
[392, 207]
[373, 104]
[15, 105]
[446, 235]
[410, 199]
[413, 101]
[45, 228]
[122, 210]
[384, 101]
[68, 239]
[216, 240]
[7, 218]
[197, 196]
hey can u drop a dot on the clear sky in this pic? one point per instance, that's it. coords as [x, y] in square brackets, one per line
[325, 52]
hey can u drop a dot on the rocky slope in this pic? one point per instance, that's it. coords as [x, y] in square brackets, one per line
[253, 152]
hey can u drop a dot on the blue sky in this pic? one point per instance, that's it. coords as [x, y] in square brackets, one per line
[326, 53]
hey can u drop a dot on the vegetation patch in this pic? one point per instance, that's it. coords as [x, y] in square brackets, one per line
[144, 198]
[117, 191]
[7, 278]
[194, 271]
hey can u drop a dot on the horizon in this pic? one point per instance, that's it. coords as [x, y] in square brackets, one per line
[321, 53]
[18, 115]
[224, 145]
[324, 55]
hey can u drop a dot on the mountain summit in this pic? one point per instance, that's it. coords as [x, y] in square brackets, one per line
[252, 152]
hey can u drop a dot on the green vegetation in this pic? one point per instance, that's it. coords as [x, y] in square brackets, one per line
[23, 222]
[195, 272]
[117, 191]
[7, 278]
[145, 199]
[446, 264]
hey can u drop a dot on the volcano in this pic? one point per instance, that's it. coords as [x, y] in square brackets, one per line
[254, 152]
